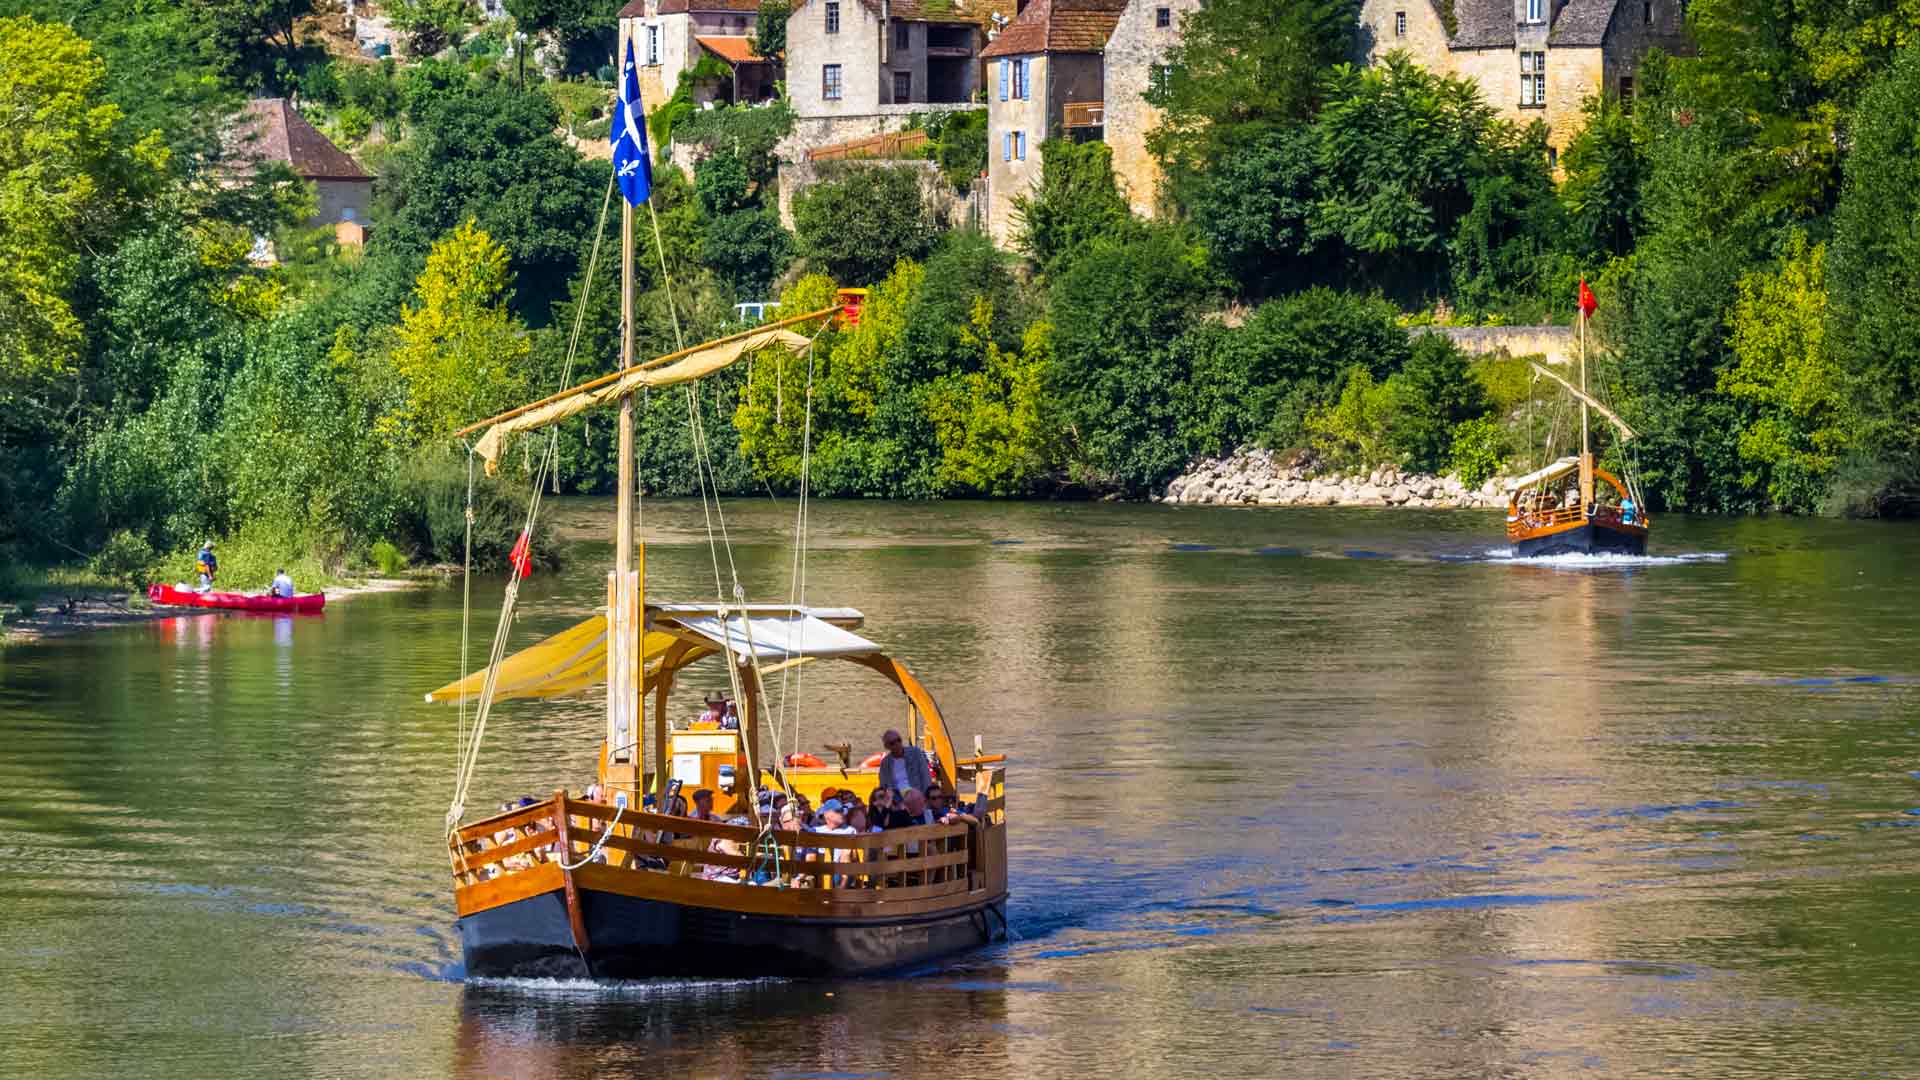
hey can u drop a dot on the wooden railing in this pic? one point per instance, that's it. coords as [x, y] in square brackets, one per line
[898, 144]
[1529, 520]
[916, 863]
[1079, 114]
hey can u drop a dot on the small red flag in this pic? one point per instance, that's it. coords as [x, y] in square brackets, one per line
[1587, 302]
[522, 555]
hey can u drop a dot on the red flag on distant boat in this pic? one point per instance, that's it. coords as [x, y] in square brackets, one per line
[1587, 302]
[522, 555]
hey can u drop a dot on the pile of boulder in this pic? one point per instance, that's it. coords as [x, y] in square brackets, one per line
[1263, 478]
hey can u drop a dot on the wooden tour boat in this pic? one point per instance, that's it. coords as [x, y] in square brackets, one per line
[606, 887]
[1560, 509]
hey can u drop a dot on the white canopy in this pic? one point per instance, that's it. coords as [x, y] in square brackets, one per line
[776, 637]
[1542, 476]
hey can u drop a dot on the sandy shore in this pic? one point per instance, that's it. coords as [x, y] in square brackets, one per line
[61, 616]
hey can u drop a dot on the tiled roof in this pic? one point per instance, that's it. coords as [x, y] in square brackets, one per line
[1482, 24]
[734, 50]
[1059, 26]
[275, 131]
[1582, 22]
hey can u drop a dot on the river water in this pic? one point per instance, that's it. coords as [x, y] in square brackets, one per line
[1294, 792]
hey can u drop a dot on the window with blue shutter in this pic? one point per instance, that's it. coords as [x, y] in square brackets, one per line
[1020, 145]
[1003, 80]
[1006, 146]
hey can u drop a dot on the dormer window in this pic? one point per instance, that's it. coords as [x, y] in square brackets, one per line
[1536, 11]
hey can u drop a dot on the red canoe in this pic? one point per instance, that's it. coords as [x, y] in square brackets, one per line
[167, 594]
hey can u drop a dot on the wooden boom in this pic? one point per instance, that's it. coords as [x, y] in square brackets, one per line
[1625, 431]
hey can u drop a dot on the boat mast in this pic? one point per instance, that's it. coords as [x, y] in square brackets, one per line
[1586, 447]
[625, 584]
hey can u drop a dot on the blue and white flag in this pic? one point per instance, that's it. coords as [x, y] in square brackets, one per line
[632, 165]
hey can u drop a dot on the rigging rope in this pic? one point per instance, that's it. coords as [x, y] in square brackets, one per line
[792, 677]
[464, 767]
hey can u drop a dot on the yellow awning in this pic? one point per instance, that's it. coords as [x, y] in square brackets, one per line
[569, 662]
[687, 368]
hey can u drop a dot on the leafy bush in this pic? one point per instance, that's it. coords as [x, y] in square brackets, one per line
[959, 146]
[1433, 392]
[387, 557]
[748, 132]
[1476, 453]
[1075, 203]
[1353, 431]
[354, 122]
[434, 522]
[126, 559]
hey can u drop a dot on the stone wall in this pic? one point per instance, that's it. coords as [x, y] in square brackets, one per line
[1136, 48]
[1559, 344]
[343, 200]
[1425, 39]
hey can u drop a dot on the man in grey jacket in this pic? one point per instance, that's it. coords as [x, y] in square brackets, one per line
[905, 767]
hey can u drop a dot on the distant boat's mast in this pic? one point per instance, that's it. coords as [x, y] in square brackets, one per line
[1586, 448]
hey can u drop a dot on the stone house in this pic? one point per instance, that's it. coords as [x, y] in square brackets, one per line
[271, 129]
[670, 36]
[1533, 59]
[1075, 69]
[861, 67]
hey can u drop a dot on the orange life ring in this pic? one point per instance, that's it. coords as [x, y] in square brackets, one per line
[873, 761]
[804, 760]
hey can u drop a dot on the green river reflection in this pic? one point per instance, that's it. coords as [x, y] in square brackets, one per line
[1303, 793]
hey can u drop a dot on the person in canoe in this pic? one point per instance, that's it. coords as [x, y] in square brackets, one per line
[282, 584]
[207, 566]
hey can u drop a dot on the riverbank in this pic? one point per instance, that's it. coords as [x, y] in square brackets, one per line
[1263, 478]
[64, 612]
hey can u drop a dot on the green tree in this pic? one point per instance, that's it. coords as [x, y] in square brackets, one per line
[459, 350]
[430, 25]
[489, 153]
[992, 424]
[1075, 203]
[1433, 393]
[1873, 283]
[1605, 167]
[1784, 371]
[1244, 68]
[569, 20]
[1252, 209]
[857, 221]
[770, 29]
[741, 241]
[257, 36]
[1117, 311]
[58, 186]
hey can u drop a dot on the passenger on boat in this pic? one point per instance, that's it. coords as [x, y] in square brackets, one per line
[282, 585]
[730, 718]
[207, 566]
[858, 821]
[716, 708]
[912, 810]
[904, 766]
[1626, 509]
[880, 801]
[832, 818]
[703, 805]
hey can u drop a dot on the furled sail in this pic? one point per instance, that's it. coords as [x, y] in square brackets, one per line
[694, 365]
[1544, 476]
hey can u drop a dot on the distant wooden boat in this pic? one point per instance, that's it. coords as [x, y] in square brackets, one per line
[1561, 509]
[308, 604]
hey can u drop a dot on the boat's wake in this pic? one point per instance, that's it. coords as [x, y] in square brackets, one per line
[619, 988]
[1604, 561]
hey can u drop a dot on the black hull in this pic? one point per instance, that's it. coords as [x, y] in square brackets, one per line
[1593, 538]
[633, 938]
